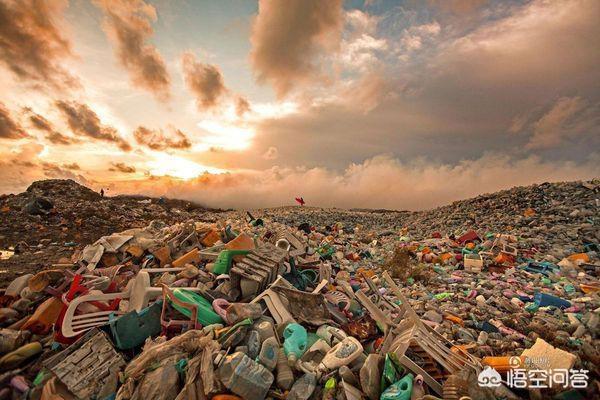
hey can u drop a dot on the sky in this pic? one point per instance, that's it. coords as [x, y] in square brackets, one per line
[245, 104]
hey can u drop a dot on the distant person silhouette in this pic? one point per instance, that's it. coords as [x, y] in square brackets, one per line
[101, 192]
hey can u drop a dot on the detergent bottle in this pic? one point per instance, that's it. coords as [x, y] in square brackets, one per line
[342, 353]
[400, 390]
[295, 342]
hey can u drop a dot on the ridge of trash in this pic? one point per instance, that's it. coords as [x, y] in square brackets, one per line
[493, 297]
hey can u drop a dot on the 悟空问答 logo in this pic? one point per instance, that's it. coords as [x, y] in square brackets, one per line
[489, 377]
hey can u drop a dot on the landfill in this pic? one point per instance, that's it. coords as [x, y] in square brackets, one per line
[495, 297]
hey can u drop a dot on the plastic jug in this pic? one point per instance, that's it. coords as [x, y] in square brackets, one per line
[245, 377]
[400, 390]
[285, 376]
[303, 388]
[265, 329]
[342, 353]
[268, 353]
[295, 342]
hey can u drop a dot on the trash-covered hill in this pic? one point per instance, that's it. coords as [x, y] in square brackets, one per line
[496, 297]
[53, 217]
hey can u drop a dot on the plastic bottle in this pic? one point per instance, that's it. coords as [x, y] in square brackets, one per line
[303, 388]
[268, 353]
[265, 329]
[295, 342]
[245, 377]
[329, 390]
[342, 353]
[400, 390]
[253, 344]
[285, 376]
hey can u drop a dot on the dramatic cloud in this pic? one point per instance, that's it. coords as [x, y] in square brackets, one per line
[122, 167]
[568, 117]
[289, 35]
[42, 124]
[129, 24]
[205, 81]
[9, 128]
[83, 121]
[31, 43]
[156, 139]
[360, 184]
[24, 165]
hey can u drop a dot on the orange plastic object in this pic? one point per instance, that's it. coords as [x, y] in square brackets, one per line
[226, 397]
[191, 256]
[44, 317]
[446, 256]
[470, 245]
[589, 288]
[455, 319]
[579, 256]
[241, 242]
[503, 258]
[530, 212]
[504, 363]
[211, 238]
[426, 250]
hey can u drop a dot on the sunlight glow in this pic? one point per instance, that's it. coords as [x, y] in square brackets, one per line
[178, 167]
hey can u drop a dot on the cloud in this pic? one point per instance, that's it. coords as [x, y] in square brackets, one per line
[242, 106]
[156, 139]
[568, 117]
[129, 25]
[122, 167]
[271, 153]
[205, 81]
[9, 128]
[32, 45]
[24, 165]
[72, 166]
[289, 35]
[360, 185]
[42, 124]
[83, 121]
[459, 7]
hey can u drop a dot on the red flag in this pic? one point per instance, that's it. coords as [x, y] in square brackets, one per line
[300, 201]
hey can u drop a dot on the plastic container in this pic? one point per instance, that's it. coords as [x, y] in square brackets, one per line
[253, 344]
[342, 353]
[400, 390]
[44, 317]
[245, 377]
[265, 329]
[268, 353]
[545, 300]
[295, 342]
[206, 314]
[505, 363]
[222, 264]
[285, 376]
[303, 388]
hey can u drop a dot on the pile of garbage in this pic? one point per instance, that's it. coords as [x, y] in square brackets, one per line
[54, 216]
[270, 305]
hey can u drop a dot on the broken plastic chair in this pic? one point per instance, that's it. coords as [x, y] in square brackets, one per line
[274, 303]
[473, 262]
[168, 303]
